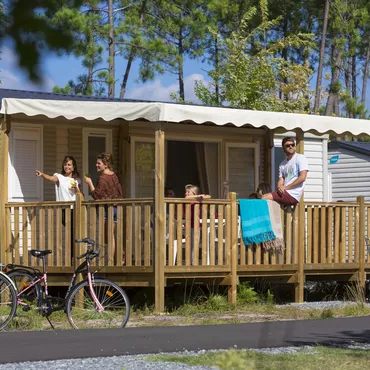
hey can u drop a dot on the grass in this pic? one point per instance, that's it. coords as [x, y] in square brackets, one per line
[216, 312]
[306, 359]
[194, 306]
[212, 312]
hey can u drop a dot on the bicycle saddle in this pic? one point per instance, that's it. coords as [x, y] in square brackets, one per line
[38, 253]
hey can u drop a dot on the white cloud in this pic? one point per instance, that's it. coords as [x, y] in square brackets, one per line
[12, 77]
[157, 92]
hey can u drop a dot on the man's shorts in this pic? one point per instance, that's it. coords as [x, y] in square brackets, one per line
[285, 199]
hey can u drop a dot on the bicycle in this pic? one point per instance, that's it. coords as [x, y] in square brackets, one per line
[92, 303]
[8, 300]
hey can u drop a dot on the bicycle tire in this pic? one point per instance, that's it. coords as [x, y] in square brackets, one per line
[81, 308]
[22, 279]
[8, 301]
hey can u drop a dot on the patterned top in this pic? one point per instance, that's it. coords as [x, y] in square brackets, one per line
[108, 187]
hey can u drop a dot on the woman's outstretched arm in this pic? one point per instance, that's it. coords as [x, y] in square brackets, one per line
[53, 179]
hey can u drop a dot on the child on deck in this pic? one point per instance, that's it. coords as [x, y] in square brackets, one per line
[193, 192]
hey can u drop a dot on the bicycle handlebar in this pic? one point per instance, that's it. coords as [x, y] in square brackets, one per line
[86, 240]
[93, 253]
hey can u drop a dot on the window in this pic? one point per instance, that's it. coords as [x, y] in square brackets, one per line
[142, 167]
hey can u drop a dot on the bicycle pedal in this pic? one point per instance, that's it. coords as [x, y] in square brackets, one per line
[26, 308]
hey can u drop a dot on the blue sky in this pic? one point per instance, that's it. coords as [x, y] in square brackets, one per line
[59, 70]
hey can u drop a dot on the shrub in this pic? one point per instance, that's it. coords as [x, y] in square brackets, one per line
[247, 294]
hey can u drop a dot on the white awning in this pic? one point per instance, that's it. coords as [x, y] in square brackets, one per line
[177, 113]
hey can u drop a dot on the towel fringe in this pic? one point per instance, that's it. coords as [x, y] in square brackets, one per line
[275, 245]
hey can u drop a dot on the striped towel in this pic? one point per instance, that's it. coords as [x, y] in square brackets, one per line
[261, 223]
[255, 218]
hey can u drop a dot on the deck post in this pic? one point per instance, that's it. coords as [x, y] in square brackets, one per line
[78, 228]
[268, 145]
[159, 219]
[234, 249]
[5, 127]
[299, 286]
[361, 226]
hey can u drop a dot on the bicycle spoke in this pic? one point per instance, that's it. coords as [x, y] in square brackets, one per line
[8, 301]
[83, 312]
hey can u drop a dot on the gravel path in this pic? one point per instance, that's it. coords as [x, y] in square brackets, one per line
[139, 363]
[106, 363]
[321, 305]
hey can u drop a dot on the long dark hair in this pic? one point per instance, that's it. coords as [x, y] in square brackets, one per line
[75, 173]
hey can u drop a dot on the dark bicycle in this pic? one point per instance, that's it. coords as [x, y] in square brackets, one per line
[8, 300]
[92, 303]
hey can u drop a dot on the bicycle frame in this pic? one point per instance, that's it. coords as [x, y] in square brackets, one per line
[84, 267]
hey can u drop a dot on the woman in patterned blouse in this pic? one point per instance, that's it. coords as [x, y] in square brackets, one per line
[108, 187]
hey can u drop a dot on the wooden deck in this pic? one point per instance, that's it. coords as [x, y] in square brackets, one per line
[327, 242]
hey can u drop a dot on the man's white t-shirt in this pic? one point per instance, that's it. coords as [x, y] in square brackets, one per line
[65, 192]
[290, 170]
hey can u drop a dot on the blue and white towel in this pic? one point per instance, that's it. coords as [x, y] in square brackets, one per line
[255, 221]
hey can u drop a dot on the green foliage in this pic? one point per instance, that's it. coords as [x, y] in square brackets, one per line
[28, 27]
[232, 360]
[246, 294]
[270, 299]
[359, 309]
[262, 79]
[217, 302]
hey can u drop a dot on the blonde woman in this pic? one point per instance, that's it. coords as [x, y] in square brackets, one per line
[193, 192]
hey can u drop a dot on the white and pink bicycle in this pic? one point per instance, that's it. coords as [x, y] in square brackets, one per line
[92, 303]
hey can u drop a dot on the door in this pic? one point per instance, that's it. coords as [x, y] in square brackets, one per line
[25, 157]
[242, 168]
[95, 141]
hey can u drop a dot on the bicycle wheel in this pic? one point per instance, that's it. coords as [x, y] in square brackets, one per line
[82, 310]
[28, 297]
[8, 301]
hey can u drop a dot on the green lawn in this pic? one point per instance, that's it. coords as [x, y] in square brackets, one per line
[316, 358]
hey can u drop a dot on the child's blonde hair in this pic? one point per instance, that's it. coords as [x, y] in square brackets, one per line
[193, 188]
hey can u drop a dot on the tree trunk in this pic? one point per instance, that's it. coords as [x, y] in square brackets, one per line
[354, 76]
[285, 57]
[111, 50]
[365, 77]
[322, 55]
[89, 86]
[181, 68]
[332, 105]
[127, 72]
[347, 77]
[131, 56]
[217, 87]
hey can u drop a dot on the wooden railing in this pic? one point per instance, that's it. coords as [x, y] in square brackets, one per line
[332, 233]
[54, 226]
[198, 234]
[38, 225]
[199, 237]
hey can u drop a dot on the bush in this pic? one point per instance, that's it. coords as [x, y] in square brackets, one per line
[247, 294]
[216, 302]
